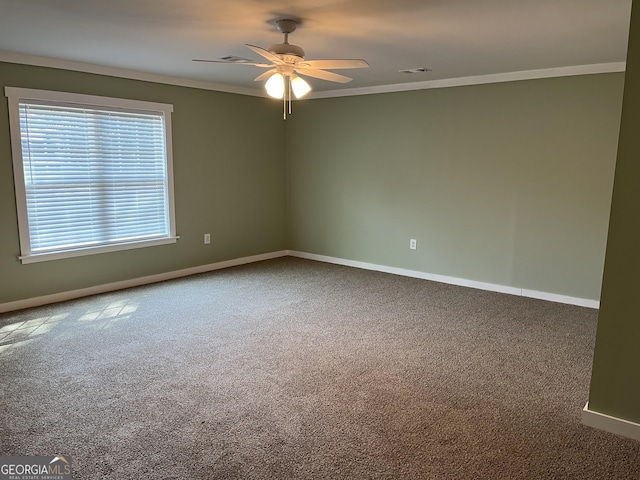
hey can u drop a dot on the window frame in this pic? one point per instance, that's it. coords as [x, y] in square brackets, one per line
[15, 95]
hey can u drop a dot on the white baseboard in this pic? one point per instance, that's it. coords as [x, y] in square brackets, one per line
[552, 297]
[610, 424]
[135, 282]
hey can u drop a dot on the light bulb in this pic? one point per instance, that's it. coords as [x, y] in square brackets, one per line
[299, 86]
[275, 85]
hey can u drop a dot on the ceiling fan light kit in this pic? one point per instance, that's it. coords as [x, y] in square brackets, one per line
[300, 87]
[275, 85]
[288, 62]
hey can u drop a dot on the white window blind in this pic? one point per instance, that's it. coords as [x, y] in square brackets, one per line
[93, 176]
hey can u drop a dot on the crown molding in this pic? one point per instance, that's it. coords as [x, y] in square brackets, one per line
[12, 57]
[614, 67]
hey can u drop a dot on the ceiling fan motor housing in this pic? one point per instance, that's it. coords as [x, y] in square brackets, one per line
[286, 49]
[288, 52]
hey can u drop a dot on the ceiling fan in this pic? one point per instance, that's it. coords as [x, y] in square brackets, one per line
[288, 62]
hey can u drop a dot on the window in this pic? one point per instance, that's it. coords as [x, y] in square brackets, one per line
[92, 174]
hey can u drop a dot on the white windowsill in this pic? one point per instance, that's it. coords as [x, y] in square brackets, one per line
[79, 252]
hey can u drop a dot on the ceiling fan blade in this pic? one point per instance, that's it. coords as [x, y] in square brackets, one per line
[334, 64]
[252, 64]
[266, 54]
[322, 74]
[265, 75]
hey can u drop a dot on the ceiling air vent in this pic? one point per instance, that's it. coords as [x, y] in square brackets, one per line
[416, 70]
[233, 58]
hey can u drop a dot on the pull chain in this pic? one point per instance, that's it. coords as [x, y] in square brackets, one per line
[289, 78]
[284, 98]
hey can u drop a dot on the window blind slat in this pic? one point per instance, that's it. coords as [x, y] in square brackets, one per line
[93, 176]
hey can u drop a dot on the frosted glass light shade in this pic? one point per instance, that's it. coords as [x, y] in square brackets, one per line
[300, 87]
[275, 85]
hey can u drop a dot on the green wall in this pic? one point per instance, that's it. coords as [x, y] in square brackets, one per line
[228, 158]
[615, 382]
[505, 183]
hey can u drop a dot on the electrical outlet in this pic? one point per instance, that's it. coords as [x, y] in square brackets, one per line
[207, 238]
[413, 244]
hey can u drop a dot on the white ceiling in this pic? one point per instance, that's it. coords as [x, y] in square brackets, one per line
[454, 38]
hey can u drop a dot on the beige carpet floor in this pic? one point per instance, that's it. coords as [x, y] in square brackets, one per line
[293, 369]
